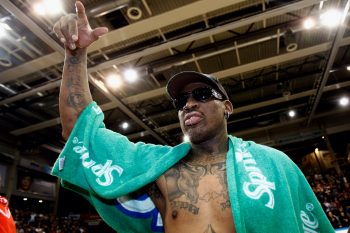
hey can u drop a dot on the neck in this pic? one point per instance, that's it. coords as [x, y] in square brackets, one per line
[209, 150]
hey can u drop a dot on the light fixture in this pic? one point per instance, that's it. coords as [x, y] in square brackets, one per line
[331, 18]
[290, 40]
[113, 81]
[51, 7]
[186, 138]
[348, 68]
[25, 199]
[40, 201]
[39, 9]
[344, 101]
[3, 29]
[291, 113]
[309, 23]
[134, 13]
[125, 125]
[131, 75]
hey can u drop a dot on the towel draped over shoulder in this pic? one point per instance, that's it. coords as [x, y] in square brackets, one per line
[268, 192]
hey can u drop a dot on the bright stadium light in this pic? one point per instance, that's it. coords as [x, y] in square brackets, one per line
[131, 75]
[344, 101]
[331, 18]
[309, 23]
[113, 81]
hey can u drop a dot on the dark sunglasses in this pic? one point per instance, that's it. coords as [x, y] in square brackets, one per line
[202, 94]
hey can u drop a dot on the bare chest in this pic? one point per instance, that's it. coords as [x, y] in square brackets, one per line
[196, 184]
[196, 194]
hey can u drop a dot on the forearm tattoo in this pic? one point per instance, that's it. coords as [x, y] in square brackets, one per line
[76, 92]
[183, 181]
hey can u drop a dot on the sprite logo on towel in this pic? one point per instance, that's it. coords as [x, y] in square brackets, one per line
[258, 184]
[102, 171]
[310, 222]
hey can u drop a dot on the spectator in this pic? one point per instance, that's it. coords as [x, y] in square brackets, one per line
[7, 225]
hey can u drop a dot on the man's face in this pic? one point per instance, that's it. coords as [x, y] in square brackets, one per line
[202, 121]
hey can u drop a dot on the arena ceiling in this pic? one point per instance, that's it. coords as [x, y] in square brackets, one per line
[260, 50]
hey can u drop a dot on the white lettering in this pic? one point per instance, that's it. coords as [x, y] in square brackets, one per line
[310, 224]
[258, 184]
[262, 186]
[84, 161]
[106, 171]
[103, 172]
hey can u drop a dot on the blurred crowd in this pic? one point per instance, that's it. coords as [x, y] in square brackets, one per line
[30, 222]
[333, 192]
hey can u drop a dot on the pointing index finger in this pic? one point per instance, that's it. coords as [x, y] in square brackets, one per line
[80, 10]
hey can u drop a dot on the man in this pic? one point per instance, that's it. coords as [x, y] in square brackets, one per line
[215, 183]
[7, 225]
[25, 183]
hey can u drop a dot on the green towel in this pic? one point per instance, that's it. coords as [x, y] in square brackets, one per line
[268, 192]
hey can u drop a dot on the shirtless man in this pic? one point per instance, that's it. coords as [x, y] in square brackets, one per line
[191, 196]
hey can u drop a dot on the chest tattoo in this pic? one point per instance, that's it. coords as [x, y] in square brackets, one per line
[183, 181]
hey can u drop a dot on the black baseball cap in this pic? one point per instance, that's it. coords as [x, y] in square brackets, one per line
[177, 82]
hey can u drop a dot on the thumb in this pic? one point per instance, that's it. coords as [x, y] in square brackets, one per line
[100, 31]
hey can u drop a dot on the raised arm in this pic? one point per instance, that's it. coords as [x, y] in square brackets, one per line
[75, 33]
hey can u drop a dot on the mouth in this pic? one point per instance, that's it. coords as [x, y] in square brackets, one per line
[192, 119]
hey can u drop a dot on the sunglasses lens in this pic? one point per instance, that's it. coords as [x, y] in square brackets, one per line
[202, 94]
[199, 94]
[181, 100]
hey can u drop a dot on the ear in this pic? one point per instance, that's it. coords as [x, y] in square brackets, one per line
[228, 107]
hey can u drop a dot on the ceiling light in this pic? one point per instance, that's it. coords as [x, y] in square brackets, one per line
[348, 68]
[186, 138]
[54, 7]
[331, 18]
[309, 23]
[51, 7]
[344, 101]
[113, 81]
[3, 29]
[25, 199]
[40, 201]
[39, 9]
[5, 26]
[291, 113]
[131, 75]
[125, 125]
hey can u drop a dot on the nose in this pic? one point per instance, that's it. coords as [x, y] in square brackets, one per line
[191, 103]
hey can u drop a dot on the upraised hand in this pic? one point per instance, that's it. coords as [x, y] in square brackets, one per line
[74, 29]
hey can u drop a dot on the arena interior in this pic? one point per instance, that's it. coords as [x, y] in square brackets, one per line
[284, 64]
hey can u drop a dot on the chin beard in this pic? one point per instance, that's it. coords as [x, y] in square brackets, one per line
[196, 136]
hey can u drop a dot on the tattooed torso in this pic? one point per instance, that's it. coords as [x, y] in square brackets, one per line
[193, 197]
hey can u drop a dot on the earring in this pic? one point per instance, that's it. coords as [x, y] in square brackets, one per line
[226, 115]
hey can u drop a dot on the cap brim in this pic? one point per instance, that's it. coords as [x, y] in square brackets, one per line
[177, 83]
